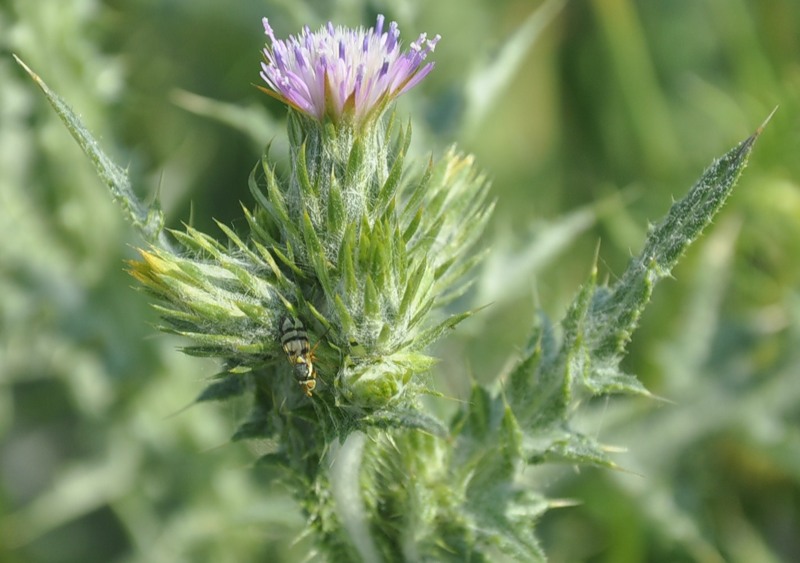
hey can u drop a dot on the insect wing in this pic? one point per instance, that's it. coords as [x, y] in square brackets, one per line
[294, 340]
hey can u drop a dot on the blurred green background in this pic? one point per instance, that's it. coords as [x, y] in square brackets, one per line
[589, 116]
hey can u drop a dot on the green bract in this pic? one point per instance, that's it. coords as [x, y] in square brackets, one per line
[357, 245]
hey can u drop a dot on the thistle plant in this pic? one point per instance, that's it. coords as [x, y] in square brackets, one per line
[340, 282]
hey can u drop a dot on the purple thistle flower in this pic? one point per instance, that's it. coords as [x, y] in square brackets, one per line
[339, 72]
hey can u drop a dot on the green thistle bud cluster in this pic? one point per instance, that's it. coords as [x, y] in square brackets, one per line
[356, 243]
[374, 246]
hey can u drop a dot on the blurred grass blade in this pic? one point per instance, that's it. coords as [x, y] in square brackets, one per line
[693, 345]
[601, 320]
[75, 493]
[252, 121]
[487, 82]
[627, 43]
[149, 220]
[507, 270]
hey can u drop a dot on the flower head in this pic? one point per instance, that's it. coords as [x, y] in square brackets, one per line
[337, 72]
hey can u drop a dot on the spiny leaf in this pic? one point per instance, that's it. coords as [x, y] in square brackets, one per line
[616, 313]
[406, 418]
[549, 393]
[575, 448]
[149, 220]
[476, 421]
[431, 335]
[610, 380]
[541, 345]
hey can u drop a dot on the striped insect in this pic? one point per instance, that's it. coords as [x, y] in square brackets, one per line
[294, 341]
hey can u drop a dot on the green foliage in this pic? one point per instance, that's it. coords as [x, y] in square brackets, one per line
[379, 471]
[226, 300]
